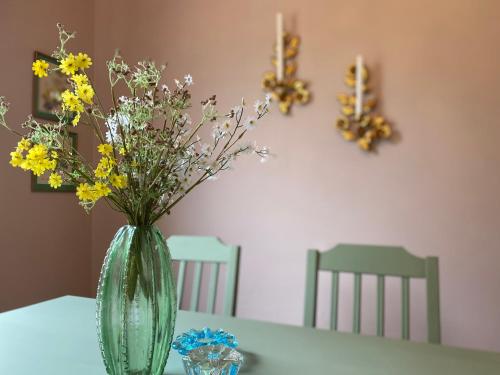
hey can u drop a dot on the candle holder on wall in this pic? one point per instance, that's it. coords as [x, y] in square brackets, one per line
[283, 85]
[363, 126]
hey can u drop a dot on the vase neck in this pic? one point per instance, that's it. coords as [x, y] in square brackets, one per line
[141, 228]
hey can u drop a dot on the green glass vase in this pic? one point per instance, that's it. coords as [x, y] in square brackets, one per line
[136, 303]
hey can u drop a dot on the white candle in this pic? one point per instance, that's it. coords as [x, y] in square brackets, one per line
[279, 47]
[359, 87]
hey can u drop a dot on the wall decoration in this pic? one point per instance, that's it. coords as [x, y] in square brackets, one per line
[358, 122]
[284, 87]
[41, 183]
[47, 91]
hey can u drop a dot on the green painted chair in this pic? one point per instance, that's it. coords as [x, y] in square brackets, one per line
[380, 261]
[206, 250]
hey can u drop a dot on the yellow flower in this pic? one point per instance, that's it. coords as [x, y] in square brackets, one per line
[101, 190]
[101, 172]
[37, 151]
[55, 180]
[71, 102]
[68, 65]
[118, 181]
[54, 154]
[16, 159]
[37, 160]
[105, 149]
[80, 79]
[39, 68]
[92, 193]
[84, 192]
[52, 164]
[37, 169]
[85, 92]
[83, 61]
[23, 145]
[122, 151]
[25, 165]
[104, 167]
[76, 119]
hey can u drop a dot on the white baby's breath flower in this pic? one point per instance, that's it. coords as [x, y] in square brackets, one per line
[237, 110]
[185, 119]
[268, 99]
[258, 106]
[226, 125]
[217, 132]
[250, 123]
[191, 150]
[209, 110]
[149, 98]
[206, 149]
[188, 79]
[165, 89]
[246, 148]
[263, 152]
[112, 123]
[211, 169]
[111, 136]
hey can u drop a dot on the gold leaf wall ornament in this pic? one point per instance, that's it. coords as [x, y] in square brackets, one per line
[290, 90]
[367, 129]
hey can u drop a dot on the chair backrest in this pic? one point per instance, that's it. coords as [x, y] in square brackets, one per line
[380, 261]
[201, 250]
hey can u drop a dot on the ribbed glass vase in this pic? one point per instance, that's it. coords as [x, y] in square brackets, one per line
[136, 303]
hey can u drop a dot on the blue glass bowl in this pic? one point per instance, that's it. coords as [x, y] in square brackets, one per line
[212, 360]
[194, 339]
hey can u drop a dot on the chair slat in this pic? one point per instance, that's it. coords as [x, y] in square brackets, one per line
[334, 301]
[311, 288]
[405, 308]
[433, 314]
[195, 296]
[380, 305]
[180, 282]
[212, 288]
[233, 265]
[356, 320]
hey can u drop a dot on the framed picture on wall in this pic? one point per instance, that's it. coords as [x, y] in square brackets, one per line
[41, 183]
[47, 91]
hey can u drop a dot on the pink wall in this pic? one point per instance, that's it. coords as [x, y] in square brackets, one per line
[44, 237]
[435, 68]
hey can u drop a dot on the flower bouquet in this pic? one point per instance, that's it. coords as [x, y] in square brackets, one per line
[151, 156]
